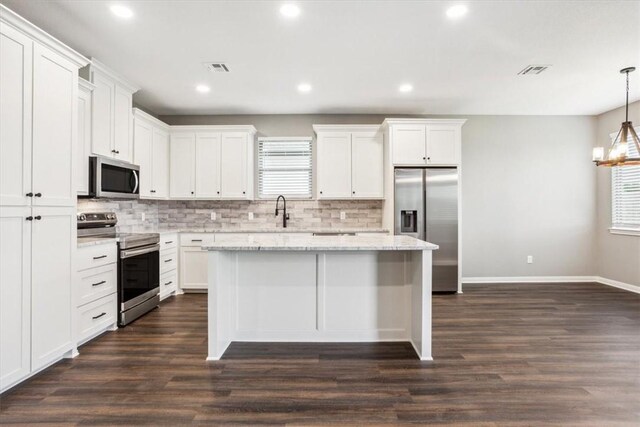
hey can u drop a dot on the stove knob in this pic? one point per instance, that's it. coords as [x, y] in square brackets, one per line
[82, 217]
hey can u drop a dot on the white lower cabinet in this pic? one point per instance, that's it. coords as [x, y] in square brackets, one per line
[97, 285]
[193, 261]
[168, 265]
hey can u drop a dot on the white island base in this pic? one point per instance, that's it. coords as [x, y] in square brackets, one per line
[320, 289]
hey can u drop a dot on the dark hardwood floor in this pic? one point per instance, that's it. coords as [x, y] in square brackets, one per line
[540, 354]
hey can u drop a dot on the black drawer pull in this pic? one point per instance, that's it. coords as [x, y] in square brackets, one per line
[168, 283]
[99, 257]
[196, 240]
[99, 315]
[169, 242]
[168, 260]
[99, 283]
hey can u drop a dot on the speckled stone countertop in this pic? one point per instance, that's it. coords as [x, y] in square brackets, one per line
[272, 230]
[92, 241]
[320, 243]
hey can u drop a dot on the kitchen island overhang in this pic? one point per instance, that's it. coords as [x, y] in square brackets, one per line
[319, 289]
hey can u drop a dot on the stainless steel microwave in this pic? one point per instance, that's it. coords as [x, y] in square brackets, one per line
[113, 178]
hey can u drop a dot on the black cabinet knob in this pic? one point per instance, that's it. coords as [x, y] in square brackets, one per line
[217, 192]
[38, 195]
[192, 192]
[353, 192]
[321, 192]
[29, 194]
[244, 192]
[37, 217]
[424, 158]
[29, 218]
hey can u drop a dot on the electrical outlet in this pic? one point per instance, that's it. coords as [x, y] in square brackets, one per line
[530, 259]
[142, 216]
[250, 216]
[213, 216]
[343, 215]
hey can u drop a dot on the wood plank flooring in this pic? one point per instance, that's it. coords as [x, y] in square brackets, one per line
[520, 354]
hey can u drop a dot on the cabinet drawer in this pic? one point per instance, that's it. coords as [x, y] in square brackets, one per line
[168, 241]
[97, 282]
[96, 316]
[168, 261]
[96, 256]
[168, 283]
[194, 239]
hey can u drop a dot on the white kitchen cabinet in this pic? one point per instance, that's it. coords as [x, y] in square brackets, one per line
[350, 162]
[367, 171]
[15, 295]
[52, 274]
[16, 53]
[193, 268]
[212, 162]
[151, 153]
[168, 265]
[111, 112]
[425, 142]
[207, 176]
[334, 165]
[83, 147]
[182, 166]
[234, 161]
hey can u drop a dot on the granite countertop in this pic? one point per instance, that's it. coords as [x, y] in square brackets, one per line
[91, 241]
[320, 243]
[273, 230]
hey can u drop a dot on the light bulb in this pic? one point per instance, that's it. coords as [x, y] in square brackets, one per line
[598, 154]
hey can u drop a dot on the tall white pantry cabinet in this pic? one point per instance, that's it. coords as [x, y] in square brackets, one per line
[38, 132]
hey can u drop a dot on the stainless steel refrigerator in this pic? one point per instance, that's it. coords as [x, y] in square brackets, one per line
[426, 207]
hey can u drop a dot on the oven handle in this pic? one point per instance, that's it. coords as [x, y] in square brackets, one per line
[135, 252]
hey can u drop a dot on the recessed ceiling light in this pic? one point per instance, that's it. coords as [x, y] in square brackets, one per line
[121, 11]
[405, 88]
[304, 87]
[203, 88]
[457, 11]
[290, 10]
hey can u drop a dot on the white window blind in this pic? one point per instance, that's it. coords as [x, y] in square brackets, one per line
[625, 193]
[284, 167]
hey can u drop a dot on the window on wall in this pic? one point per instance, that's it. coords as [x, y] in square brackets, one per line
[284, 167]
[625, 191]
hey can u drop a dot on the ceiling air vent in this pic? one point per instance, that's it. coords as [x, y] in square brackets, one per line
[533, 69]
[217, 67]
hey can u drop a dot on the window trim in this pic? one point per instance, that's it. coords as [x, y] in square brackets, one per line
[312, 168]
[624, 230]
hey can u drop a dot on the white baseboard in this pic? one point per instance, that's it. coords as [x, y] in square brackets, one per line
[552, 279]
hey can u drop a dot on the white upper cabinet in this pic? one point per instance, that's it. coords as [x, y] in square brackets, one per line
[16, 53]
[334, 165]
[207, 165]
[112, 120]
[350, 162]
[425, 142]
[83, 150]
[151, 153]
[367, 157]
[212, 162]
[183, 166]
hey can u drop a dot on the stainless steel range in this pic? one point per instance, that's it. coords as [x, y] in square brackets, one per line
[138, 264]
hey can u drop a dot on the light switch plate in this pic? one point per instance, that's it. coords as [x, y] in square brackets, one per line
[343, 215]
[250, 216]
[142, 216]
[213, 216]
[530, 259]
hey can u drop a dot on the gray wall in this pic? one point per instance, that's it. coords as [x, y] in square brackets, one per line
[618, 257]
[528, 188]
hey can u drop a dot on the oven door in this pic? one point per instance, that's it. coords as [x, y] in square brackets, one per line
[138, 275]
[112, 178]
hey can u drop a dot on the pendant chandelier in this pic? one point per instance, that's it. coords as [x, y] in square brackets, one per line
[618, 150]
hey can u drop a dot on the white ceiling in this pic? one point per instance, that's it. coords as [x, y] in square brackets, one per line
[356, 54]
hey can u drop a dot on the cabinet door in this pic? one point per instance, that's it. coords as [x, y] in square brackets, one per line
[15, 116]
[160, 161]
[142, 148]
[53, 245]
[83, 149]
[367, 167]
[15, 295]
[55, 100]
[208, 165]
[102, 115]
[443, 145]
[182, 165]
[193, 268]
[334, 165]
[409, 145]
[122, 125]
[233, 165]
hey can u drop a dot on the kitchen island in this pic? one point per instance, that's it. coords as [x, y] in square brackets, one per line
[319, 289]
